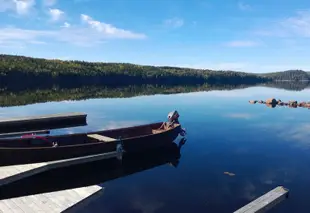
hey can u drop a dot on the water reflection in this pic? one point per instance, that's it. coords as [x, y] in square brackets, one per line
[11, 97]
[263, 147]
[94, 173]
[240, 115]
[16, 96]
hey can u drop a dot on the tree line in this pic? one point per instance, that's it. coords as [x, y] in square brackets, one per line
[44, 71]
[289, 75]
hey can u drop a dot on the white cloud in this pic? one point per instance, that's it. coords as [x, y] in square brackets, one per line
[295, 26]
[296, 134]
[109, 30]
[56, 14]
[66, 25]
[21, 7]
[122, 124]
[76, 36]
[299, 25]
[49, 2]
[174, 22]
[80, 36]
[243, 6]
[15, 34]
[242, 44]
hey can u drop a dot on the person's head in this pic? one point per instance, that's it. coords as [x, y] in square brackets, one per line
[173, 116]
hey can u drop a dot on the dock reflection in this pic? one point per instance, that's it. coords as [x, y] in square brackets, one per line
[93, 173]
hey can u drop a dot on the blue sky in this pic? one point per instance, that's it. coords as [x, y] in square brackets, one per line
[249, 35]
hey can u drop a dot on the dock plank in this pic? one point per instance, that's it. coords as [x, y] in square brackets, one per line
[67, 200]
[101, 137]
[266, 201]
[53, 202]
[42, 117]
[39, 122]
[9, 174]
[12, 207]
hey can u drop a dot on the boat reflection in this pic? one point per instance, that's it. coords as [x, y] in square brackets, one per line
[93, 173]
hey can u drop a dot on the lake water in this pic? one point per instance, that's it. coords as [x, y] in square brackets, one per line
[264, 147]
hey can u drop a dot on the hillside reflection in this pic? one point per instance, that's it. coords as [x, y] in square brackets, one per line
[15, 96]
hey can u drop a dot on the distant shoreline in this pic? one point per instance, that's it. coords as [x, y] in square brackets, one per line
[48, 71]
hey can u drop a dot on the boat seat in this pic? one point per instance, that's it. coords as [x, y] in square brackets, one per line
[101, 137]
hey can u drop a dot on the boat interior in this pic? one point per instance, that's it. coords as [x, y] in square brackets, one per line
[82, 138]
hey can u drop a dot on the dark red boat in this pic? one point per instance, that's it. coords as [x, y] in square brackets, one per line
[34, 149]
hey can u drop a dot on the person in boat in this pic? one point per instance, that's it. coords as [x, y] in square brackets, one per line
[173, 118]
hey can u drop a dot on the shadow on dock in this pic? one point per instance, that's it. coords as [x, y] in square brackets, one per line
[93, 173]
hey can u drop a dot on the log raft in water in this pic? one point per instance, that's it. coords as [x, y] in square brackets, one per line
[272, 102]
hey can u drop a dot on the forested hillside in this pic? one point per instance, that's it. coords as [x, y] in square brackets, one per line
[289, 75]
[14, 68]
[38, 71]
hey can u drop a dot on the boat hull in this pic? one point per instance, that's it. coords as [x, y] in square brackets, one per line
[92, 173]
[12, 155]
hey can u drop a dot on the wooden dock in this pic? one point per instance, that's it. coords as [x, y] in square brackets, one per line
[9, 174]
[74, 193]
[69, 200]
[266, 201]
[40, 122]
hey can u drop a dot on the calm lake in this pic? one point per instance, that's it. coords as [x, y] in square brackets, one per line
[264, 147]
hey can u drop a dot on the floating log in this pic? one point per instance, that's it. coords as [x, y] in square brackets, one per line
[33, 123]
[266, 201]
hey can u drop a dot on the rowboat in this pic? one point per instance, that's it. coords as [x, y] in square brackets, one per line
[34, 149]
[93, 173]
